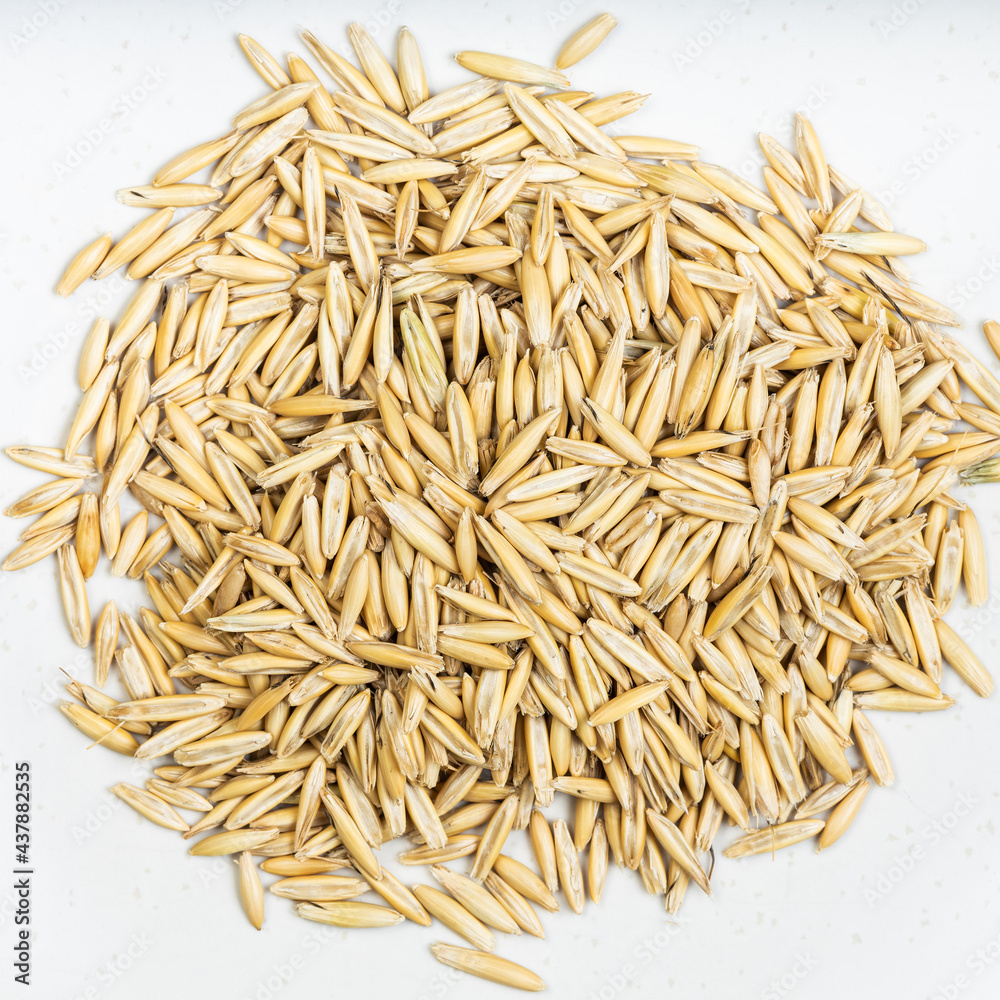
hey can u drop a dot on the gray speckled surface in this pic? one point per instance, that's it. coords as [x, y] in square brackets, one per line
[98, 95]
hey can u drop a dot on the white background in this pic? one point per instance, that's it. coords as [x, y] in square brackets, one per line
[905, 99]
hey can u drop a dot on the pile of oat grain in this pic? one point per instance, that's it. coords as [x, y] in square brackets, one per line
[503, 458]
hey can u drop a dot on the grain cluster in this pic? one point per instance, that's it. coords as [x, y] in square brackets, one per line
[472, 456]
